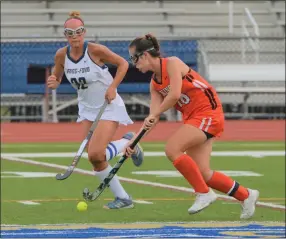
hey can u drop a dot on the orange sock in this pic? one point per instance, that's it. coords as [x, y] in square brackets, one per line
[189, 169]
[226, 185]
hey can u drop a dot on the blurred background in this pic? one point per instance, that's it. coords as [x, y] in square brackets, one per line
[239, 46]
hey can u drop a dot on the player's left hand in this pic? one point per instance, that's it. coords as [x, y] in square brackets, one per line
[110, 94]
[150, 121]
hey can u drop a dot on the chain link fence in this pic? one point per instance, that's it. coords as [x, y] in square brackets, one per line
[25, 101]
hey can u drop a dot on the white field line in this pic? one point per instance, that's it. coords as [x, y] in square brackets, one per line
[29, 203]
[152, 154]
[142, 202]
[142, 182]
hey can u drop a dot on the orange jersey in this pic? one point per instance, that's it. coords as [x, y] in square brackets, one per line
[199, 102]
[197, 95]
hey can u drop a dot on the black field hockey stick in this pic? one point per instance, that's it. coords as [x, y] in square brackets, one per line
[62, 176]
[92, 196]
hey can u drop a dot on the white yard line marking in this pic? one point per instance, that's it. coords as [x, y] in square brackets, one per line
[11, 174]
[173, 173]
[29, 203]
[142, 182]
[142, 202]
[41, 155]
[152, 154]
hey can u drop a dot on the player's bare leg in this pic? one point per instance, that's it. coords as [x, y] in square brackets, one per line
[201, 154]
[189, 136]
[97, 156]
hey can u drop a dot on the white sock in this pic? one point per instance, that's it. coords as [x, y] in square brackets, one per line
[114, 185]
[114, 148]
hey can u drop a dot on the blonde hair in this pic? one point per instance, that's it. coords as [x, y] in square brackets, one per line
[74, 15]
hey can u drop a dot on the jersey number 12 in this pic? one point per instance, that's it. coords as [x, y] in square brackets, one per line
[80, 83]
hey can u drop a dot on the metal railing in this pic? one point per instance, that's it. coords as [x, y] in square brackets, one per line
[203, 61]
[254, 43]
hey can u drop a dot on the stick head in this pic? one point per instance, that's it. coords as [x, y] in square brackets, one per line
[86, 194]
[62, 176]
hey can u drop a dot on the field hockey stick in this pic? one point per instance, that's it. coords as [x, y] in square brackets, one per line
[62, 176]
[92, 196]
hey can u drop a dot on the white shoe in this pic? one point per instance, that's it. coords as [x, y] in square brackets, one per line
[248, 205]
[202, 201]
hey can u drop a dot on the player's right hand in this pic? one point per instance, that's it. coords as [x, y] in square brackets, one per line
[128, 151]
[150, 122]
[52, 82]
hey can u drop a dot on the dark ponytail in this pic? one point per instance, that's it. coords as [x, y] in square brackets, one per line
[154, 41]
[145, 43]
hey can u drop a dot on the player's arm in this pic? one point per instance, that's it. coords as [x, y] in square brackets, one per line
[155, 103]
[57, 73]
[156, 99]
[58, 69]
[107, 56]
[175, 75]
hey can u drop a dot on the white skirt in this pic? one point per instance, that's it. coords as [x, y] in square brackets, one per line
[115, 111]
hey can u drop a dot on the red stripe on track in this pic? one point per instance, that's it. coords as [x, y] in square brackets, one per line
[235, 130]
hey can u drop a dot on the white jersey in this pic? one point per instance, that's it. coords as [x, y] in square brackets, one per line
[91, 82]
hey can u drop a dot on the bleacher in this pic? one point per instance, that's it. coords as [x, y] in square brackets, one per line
[163, 18]
[124, 20]
[278, 7]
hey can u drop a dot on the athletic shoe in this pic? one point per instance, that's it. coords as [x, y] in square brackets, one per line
[138, 156]
[120, 203]
[202, 201]
[248, 205]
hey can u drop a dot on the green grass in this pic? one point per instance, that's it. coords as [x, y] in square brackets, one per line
[157, 146]
[58, 199]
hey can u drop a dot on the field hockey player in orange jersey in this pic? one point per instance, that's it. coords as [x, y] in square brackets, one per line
[174, 84]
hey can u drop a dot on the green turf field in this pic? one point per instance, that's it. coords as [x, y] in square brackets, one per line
[258, 165]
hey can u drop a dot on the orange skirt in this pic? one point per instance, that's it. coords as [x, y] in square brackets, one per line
[207, 122]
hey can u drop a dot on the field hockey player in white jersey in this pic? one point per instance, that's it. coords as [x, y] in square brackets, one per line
[84, 66]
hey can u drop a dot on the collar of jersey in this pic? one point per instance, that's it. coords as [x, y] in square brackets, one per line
[84, 49]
